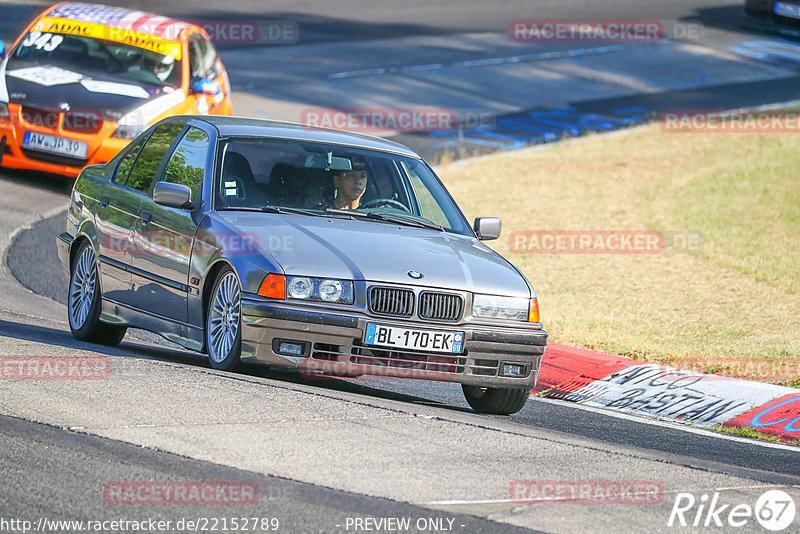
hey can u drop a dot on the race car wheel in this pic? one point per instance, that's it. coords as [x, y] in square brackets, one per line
[224, 322]
[498, 401]
[83, 301]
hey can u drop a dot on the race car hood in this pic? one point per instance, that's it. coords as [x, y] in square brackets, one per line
[48, 87]
[378, 252]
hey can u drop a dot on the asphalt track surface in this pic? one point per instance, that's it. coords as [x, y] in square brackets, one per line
[325, 450]
[33, 259]
[46, 454]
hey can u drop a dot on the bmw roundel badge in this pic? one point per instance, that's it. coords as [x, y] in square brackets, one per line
[416, 275]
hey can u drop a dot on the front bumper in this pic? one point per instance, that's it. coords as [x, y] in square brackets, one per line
[101, 146]
[333, 346]
[63, 244]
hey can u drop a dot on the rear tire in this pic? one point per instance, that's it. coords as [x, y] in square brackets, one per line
[224, 322]
[497, 401]
[84, 301]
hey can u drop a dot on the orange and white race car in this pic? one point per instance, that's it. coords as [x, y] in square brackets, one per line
[83, 80]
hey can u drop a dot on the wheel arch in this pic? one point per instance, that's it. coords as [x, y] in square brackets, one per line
[209, 280]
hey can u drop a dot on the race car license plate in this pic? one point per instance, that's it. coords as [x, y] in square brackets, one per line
[56, 145]
[415, 339]
[782, 9]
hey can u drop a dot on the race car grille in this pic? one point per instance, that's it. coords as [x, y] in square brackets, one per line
[442, 306]
[411, 361]
[390, 301]
[54, 158]
[85, 123]
[40, 117]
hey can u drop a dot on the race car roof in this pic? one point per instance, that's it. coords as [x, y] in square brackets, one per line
[121, 18]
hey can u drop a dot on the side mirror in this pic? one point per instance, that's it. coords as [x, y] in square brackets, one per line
[2, 49]
[205, 87]
[172, 195]
[487, 228]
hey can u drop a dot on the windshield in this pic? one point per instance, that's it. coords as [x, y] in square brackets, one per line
[333, 180]
[84, 54]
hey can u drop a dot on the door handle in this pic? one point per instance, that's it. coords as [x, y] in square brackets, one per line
[105, 201]
[145, 218]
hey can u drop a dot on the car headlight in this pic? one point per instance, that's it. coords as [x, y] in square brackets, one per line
[307, 288]
[505, 308]
[299, 287]
[4, 114]
[128, 131]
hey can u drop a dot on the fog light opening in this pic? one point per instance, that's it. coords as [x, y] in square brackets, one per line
[290, 347]
[513, 369]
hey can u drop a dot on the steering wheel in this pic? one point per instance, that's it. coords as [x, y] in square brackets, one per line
[385, 202]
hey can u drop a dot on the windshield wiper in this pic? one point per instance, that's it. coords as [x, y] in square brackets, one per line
[393, 218]
[275, 209]
[295, 211]
[349, 213]
[402, 219]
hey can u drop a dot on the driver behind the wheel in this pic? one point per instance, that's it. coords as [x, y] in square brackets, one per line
[350, 187]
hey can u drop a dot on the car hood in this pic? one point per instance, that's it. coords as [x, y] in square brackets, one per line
[47, 87]
[378, 252]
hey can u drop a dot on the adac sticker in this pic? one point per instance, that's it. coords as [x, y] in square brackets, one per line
[110, 33]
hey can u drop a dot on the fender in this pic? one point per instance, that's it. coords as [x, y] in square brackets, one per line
[3, 87]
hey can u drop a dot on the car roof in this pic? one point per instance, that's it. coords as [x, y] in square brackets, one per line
[249, 127]
[121, 18]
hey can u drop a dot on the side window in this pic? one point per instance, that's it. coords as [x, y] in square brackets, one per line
[144, 170]
[195, 63]
[188, 162]
[428, 207]
[127, 161]
[203, 58]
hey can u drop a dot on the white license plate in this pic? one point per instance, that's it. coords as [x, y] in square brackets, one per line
[787, 10]
[56, 145]
[415, 339]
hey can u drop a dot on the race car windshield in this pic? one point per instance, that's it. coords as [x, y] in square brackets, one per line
[310, 178]
[86, 54]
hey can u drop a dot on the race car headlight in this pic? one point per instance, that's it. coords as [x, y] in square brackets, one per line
[4, 114]
[128, 131]
[319, 289]
[506, 308]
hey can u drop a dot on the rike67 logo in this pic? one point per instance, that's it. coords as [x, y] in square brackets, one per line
[774, 510]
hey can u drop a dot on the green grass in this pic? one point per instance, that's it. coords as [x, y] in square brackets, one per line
[746, 206]
[747, 432]
[727, 304]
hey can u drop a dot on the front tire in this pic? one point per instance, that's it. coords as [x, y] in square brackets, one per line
[496, 401]
[224, 323]
[84, 301]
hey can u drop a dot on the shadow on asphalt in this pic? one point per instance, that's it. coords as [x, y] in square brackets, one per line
[42, 180]
[131, 349]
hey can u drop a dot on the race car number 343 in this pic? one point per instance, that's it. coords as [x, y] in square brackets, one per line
[412, 338]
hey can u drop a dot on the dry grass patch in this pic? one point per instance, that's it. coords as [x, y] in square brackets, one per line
[731, 306]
